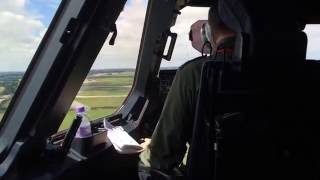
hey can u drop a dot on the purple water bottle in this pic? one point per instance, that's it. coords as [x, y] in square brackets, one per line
[85, 126]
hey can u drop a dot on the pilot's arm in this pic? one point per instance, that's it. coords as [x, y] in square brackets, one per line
[174, 129]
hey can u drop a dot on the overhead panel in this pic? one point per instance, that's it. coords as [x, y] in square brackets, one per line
[196, 3]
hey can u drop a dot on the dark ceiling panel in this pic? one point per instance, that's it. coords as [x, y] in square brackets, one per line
[307, 11]
[201, 3]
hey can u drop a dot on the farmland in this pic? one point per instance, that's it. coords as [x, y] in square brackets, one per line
[1, 89]
[102, 93]
[8, 84]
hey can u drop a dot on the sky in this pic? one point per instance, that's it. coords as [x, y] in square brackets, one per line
[22, 25]
[24, 22]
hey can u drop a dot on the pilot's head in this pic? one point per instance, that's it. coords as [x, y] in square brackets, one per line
[206, 36]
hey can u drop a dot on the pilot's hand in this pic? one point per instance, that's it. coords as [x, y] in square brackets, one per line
[145, 143]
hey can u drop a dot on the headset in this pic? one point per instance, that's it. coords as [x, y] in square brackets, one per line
[206, 37]
[205, 31]
[201, 37]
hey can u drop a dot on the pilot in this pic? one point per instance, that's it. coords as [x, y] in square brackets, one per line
[174, 129]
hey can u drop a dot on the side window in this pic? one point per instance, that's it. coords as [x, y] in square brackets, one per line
[313, 33]
[111, 77]
[183, 50]
[22, 26]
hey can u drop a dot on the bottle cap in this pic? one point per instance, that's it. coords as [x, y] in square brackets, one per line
[80, 109]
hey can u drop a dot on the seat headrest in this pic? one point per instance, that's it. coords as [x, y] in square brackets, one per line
[286, 45]
[241, 47]
[234, 15]
[253, 16]
[254, 19]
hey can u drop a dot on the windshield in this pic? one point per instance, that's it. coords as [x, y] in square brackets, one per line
[313, 33]
[111, 77]
[22, 26]
[183, 50]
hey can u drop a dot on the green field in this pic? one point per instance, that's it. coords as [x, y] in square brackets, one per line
[102, 94]
[3, 106]
[1, 89]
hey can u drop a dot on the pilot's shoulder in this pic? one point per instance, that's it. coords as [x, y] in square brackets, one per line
[193, 64]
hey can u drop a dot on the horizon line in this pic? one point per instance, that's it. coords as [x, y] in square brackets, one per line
[19, 71]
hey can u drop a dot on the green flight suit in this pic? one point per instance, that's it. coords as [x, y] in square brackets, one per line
[168, 144]
[174, 129]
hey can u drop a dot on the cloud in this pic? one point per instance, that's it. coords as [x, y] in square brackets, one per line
[20, 34]
[130, 26]
[12, 5]
[183, 50]
[124, 53]
[24, 22]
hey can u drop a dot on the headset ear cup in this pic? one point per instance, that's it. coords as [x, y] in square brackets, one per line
[208, 32]
[203, 33]
[206, 39]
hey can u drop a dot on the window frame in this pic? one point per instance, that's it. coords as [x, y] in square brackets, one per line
[59, 66]
[148, 62]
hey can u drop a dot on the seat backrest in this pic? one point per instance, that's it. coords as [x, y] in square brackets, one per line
[200, 157]
[254, 119]
[257, 119]
[249, 113]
